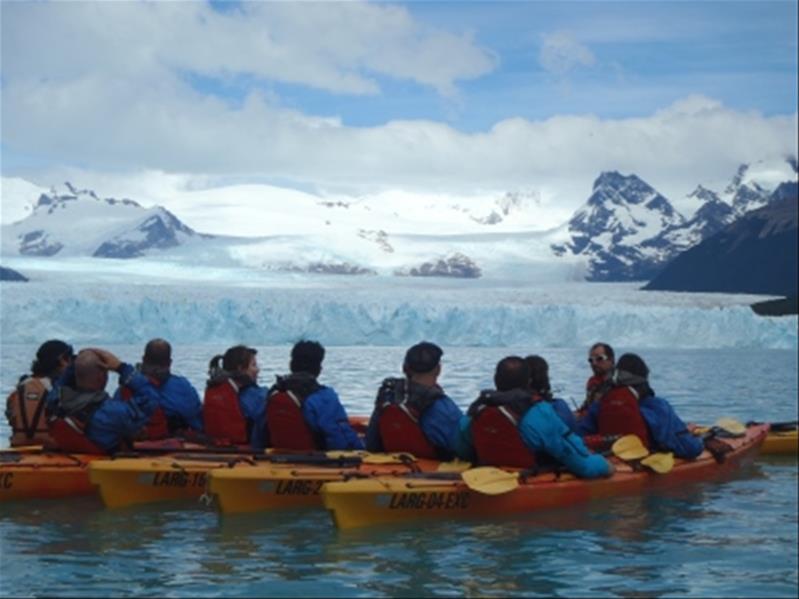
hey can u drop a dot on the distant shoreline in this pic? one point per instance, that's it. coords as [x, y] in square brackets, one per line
[777, 307]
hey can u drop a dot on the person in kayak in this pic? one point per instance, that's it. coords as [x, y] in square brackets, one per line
[413, 414]
[601, 359]
[539, 385]
[234, 405]
[303, 414]
[25, 405]
[82, 417]
[630, 406]
[179, 407]
[512, 426]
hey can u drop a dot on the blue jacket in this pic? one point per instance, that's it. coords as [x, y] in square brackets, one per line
[252, 401]
[328, 420]
[115, 420]
[440, 423]
[667, 431]
[180, 402]
[543, 432]
[562, 409]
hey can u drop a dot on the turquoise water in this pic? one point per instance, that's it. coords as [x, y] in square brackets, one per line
[734, 538]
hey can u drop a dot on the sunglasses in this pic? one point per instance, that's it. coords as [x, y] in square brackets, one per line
[595, 359]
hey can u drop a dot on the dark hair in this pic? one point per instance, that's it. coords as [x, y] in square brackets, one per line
[634, 364]
[632, 370]
[157, 352]
[49, 355]
[511, 373]
[307, 356]
[605, 348]
[422, 358]
[236, 358]
[539, 374]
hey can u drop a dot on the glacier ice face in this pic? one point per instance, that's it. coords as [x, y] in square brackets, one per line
[371, 312]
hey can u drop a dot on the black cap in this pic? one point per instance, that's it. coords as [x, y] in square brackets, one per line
[423, 357]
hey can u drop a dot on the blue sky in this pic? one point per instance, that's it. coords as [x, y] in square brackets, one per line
[643, 56]
[433, 95]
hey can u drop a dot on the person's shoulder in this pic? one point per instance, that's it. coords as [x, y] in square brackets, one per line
[323, 392]
[178, 380]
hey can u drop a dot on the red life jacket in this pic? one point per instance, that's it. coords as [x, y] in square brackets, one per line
[67, 425]
[286, 423]
[68, 433]
[495, 428]
[25, 413]
[620, 414]
[157, 427]
[400, 406]
[224, 421]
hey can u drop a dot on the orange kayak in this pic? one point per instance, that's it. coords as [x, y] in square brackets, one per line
[37, 475]
[383, 500]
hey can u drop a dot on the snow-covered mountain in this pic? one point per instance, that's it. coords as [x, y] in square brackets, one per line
[620, 228]
[390, 234]
[628, 231]
[757, 253]
[76, 222]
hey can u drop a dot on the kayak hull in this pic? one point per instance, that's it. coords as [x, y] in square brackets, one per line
[781, 443]
[244, 483]
[386, 500]
[134, 481]
[45, 476]
[264, 488]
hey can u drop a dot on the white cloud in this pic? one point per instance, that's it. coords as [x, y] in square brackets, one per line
[334, 46]
[695, 140]
[102, 84]
[561, 53]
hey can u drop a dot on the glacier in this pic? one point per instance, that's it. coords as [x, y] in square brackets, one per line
[376, 311]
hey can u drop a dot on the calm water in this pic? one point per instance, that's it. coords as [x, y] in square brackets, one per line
[736, 538]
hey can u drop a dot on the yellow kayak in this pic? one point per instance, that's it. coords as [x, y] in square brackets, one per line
[782, 439]
[124, 482]
[132, 481]
[270, 487]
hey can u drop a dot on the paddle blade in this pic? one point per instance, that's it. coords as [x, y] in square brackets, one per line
[453, 466]
[346, 454]
[388, 458]
[731, 426]
[629, 447]
[490, 480]
[659, 462]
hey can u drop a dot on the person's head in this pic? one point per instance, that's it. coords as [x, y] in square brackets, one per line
[90, 374]
[633, 364]
[632, 371]
[511, 373]
[52, 358]
[601, 358]
[539, 374]
[241, 359]
[307, 356]
[157, 353]
[422, 360]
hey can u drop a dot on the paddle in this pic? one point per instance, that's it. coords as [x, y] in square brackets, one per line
[779, 427]
[630, 449]
[731, 426]
[490, 481]
[371, 458]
